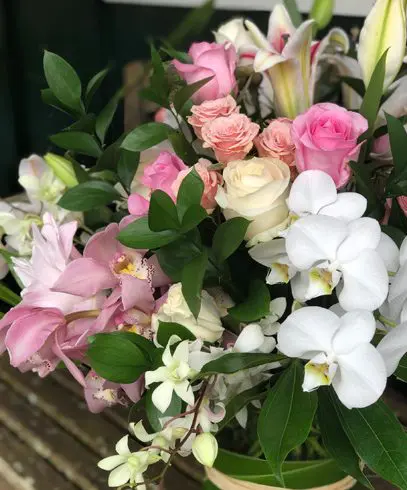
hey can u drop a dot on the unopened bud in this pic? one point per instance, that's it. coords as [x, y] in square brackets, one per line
[62, 168]
[205, 449]
[322, 12]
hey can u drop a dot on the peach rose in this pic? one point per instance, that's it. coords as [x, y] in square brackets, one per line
[210, 110]
[276, 141]
[210, 178]
[231, 137]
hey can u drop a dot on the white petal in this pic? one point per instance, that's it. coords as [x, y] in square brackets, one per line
[181, 352]
[122, 447]
[268, 252]
[314, 238]
[279, 22]
[389, 252]
[364, 233]
[258, 37]
[156, 376]
[119, 476]
[112, 462]
[250, 339]
[357, 327]
[141, 433]
[278, 307]
[317, 373]
[269, 344]
[403, 252]
[307, 332]
[265, 60]
[162, 396]
[348, 206]
[242, 416]
[393, 347]
[398, 288]
[167, 356]
[311, 191]
[184, 391]
[365, 282]
[361, 377]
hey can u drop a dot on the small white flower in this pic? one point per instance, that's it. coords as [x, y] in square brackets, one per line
[339, 353]
[205, 449]
[127, 467]
[175, 375]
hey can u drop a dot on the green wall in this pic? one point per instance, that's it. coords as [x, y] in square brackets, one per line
[90, 34]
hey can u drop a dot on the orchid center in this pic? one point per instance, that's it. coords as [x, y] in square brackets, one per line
[136, 267]
[319, 373]
[282, 271]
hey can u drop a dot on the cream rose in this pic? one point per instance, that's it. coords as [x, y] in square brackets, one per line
[257, 190]
[207, 327]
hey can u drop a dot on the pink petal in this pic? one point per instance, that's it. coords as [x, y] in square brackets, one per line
[160, 278]
[134, 390]
[103, 246]
[71, 366]
[137, 205]
[136, 293]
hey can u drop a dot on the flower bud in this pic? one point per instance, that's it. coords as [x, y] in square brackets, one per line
[205, 449]
[322, 12]
[62, 168]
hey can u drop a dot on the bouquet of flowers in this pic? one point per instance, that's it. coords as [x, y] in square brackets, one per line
[235, 270]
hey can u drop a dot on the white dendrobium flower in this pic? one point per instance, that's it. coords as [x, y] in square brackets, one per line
[127, 467]
[339, 353]
[327, 249]
[175, 375]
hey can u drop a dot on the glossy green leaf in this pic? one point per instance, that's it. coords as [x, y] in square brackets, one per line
[154, 415]
[63, 81]
[146, 136]
[378, 438]
[398, 144]
[286, 417]
[80, 173]
[183, 148]
[356, 83]
[364, 183]
[109, 160]
[94, 83]
[88, 195]
[166, 330]
[86, 124]
[335, 439]
[294, 13]
[236, 361]
[189, 193]
[127, 167]
[48, 97]
[162, 213]
[193, 216]
[176, 255]
[139, 236]
[183, 95]
[256, 306]
[8, 296]
[78, 142]
[229, 235]
[401, 371]
[105, 118]
[192, 277]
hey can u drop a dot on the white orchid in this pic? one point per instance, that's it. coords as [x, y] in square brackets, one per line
[175, 375]
[339, 353]
[205, 449]
[127, 467]
[393, 347]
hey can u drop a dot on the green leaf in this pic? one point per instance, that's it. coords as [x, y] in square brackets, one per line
[189, 193]
[162, 213]
[363, 175]
[48, 97]
[228, 237]
[185, 93]
[372, 99]
[194, 215]
[398, 144]
[88, 195]
[127, 167]
[335, 439]
[7, 256]
[236, 361]
[159, 88]
[382, 130]
[109, 160]
[8, 296]
[174, 257]
[378, 438]
[295, 16]
[166, 330]
[86, 124]
[401, 371]
[286, 417]
[80, 173]
[154, 415]
[63, 81]
[146, 136]
[105, 118]
[394, 233]
[94, 83]
[117, 359]
[183, 148]
[138, 235]
[356, 83]
[77, 141]
[256, 306]
[192, 277]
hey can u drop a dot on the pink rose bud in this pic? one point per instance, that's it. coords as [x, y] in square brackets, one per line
[162, 173]
[231, 138]
[210, 110]
[210, 60]
[276, 141]
[326, 138]
[211, 179]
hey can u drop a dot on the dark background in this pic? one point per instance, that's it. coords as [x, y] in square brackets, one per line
[90, 35]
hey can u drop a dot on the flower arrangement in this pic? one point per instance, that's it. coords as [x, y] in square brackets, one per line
[235, 270]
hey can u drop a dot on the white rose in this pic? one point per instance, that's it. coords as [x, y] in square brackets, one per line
[257, 190]
[207, 327]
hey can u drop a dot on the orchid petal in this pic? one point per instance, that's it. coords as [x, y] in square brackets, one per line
[122, 447]
[393, 347]
[119, 476]
[250, 339]
[268, 252]
[357, 327]
[348, 206]
[136, 293]
[162, 396]
[157, 376]
[389, 253]
[111, 462]
[184, 391]
[364, 233]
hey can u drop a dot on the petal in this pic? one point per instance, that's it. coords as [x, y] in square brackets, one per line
[348, 206]
[136, 293]
[361, 377]
[184, 391]
[393, 347]
[357, 327]
[365, 282]
[311, 191]
[156, 376]
[250, 339]
[103, 246]
[364, 233]
[141, 433]
[314, 238]
[162, 396]
[84, 277]
[258, 37]
[181, 352]
[122, 447]
[111, 462]
[119, 476]
[389, 253]
[269, 252]
[265, 60]
[307, 332]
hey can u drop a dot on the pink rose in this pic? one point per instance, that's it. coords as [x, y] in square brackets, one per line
[231, 138]
[210, 178]
[210, 110]
[210, 60]
[276, 141]
[325, 138]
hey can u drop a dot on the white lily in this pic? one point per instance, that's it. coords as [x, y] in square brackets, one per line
[175, 375]
[328, 249]
[339, 353]
[384, 29]
[234, 32]
[127, 467]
